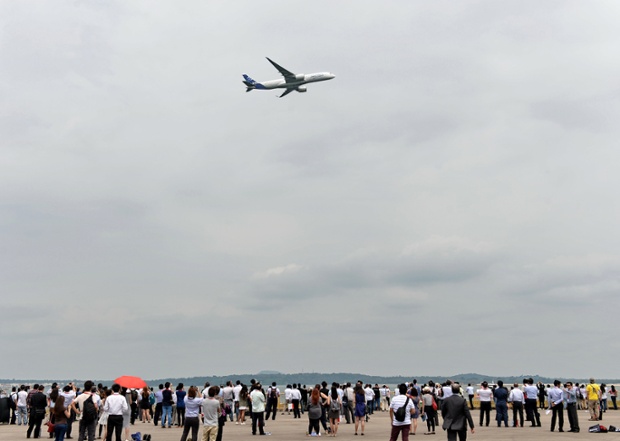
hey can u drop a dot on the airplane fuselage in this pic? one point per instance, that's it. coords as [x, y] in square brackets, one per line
[300, 79]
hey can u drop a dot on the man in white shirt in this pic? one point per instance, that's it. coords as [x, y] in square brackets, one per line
[236, 391]
[402, 427]
[78, 406]
[287, 398]
[369, 396]
[295, 399]
[517, 399]
[383, 400]
[446, 390]
[22, 406]
[470, 395]
[115, 405]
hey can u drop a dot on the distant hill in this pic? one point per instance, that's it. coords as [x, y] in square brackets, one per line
[311, 378]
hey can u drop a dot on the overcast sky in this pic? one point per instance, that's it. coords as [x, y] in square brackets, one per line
[447, 204]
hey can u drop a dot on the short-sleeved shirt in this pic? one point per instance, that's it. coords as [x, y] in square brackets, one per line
[592, 391]
[399, 402]
[211, 411]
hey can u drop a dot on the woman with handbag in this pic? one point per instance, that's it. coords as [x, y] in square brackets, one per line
[429, 410]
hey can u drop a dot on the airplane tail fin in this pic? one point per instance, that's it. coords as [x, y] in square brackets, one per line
[249, 82]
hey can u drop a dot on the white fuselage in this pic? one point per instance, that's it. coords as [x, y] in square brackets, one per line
[300, 79]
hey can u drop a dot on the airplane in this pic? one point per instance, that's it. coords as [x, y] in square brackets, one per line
[290, 82]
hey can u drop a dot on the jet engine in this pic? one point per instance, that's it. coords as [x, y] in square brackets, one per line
[302, 89]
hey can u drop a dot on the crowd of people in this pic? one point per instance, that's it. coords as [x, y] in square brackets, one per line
[102, 412]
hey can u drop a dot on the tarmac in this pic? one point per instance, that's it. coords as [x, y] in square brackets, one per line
[285, 428]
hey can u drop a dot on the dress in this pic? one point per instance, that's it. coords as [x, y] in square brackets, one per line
[334, 414]
[416, 401]
[360, 405]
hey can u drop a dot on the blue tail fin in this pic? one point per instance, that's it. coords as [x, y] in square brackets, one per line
[248, 81]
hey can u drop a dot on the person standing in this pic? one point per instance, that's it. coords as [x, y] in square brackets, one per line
[613, 394]
[257, 397]
[158, 406]
[531, 410]
[485, 396]
[228, 395]
[429, 410]
[192, 412]
[335, 404]
[517, 399]
[115, 405]
[349, 408]
[470, 395]
[88, 421]
[273, 395]
[211, 410]
[145, 404]
[22, 406]
[180, 393]
[593, 394]
[570, 393]
[456, 416]
[541, 394]
[61, 415]
[287, 399]
[69, 392]
[501, 404]
[556, 403]
[401, 427]
[166, 406]
[360, 407]
[315, 412]
[38, 404]
[295, 400]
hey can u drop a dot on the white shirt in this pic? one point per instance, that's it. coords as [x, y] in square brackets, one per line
[236, 391]
[115, 404]
[470, 390]
[21, 398]
[295, 394]
[447, 391]
[69, 397]
[369, 393]
[516, 396]
[397, 402]
[287, 394]
[485, 394]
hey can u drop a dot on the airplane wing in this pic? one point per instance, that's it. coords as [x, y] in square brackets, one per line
[289, 90]
[288, 75]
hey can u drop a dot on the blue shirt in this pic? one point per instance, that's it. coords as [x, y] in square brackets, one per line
[555, 395]
[180, 398]
[570, 395]
[501, 394]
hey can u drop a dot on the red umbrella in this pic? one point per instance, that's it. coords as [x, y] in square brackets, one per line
[130, 382]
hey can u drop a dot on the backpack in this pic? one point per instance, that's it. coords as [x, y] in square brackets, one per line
[401, 412]
[89, 411]
[335, 405]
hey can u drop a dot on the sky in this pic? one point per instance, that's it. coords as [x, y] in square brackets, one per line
[447, 204]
